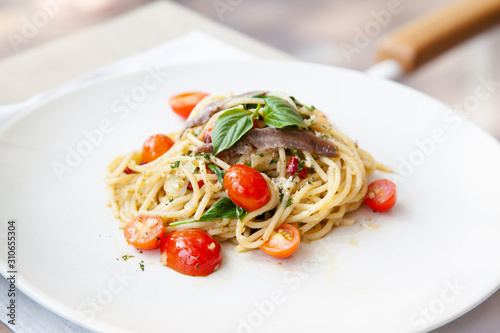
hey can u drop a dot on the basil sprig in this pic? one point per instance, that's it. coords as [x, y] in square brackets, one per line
[279, 113]
[230, 127]
[224, 208]
[234, 123]
[220, 173]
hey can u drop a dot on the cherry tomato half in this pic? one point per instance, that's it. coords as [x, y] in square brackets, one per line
[246, 187]
[283, 242]
[381, 195]
[183, 104]
[155, 146]
[145, 232]
[191, 252]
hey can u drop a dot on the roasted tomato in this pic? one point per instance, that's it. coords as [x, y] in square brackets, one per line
[191, 252]
[200, 184]
[246, 187]
[145, 232]
[207, 136]
[128, 171]
[381, 195]
[283, 242]
[297, 167]
[155, 146]
[183, 104]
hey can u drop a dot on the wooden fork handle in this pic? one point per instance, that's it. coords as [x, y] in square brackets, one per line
[427, 37]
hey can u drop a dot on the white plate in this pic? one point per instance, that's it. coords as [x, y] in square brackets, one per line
[429, 260]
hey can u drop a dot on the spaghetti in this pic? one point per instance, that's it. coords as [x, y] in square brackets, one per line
[179, 186]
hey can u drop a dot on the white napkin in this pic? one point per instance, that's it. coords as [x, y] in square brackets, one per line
[195, 47]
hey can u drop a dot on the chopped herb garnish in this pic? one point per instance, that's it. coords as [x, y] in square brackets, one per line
[171, 199]
[301, 165]
[276, 160]
[289, 202]
[175, 165]
[125, 257]
[281, 193]
[249, 163]
[141, 265]
[249, 106]
[311, 170]
[261, 155]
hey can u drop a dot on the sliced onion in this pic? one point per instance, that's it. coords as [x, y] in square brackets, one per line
[173, 188]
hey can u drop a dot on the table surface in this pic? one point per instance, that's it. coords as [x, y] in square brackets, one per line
[50, 65]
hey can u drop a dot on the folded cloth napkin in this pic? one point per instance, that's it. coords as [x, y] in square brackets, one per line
[195, 47]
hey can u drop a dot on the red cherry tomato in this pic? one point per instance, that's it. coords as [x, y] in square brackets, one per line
[191, 252]
[200, 184]
[283, 242]
[381, 195]
[183, 104]
[207, 136]
[128, 171]
[246, 187]
[145, 232]
[155, 146]
[295, 168]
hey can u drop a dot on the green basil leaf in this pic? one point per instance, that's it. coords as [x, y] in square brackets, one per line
[220, 173]
[279, 113]
[224, 208]
[230, 127]
[241, 213]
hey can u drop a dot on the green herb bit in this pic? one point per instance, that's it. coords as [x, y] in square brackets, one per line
[256, 112]
[126, 257]
[141, 265]
[261, 155]
[289, 202]
[301, 165]
[296, 102]
[276, 160]
[175, 165]
[218, 171]
[249, 163]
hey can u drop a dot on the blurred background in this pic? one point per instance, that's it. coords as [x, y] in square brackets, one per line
[312, 30]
